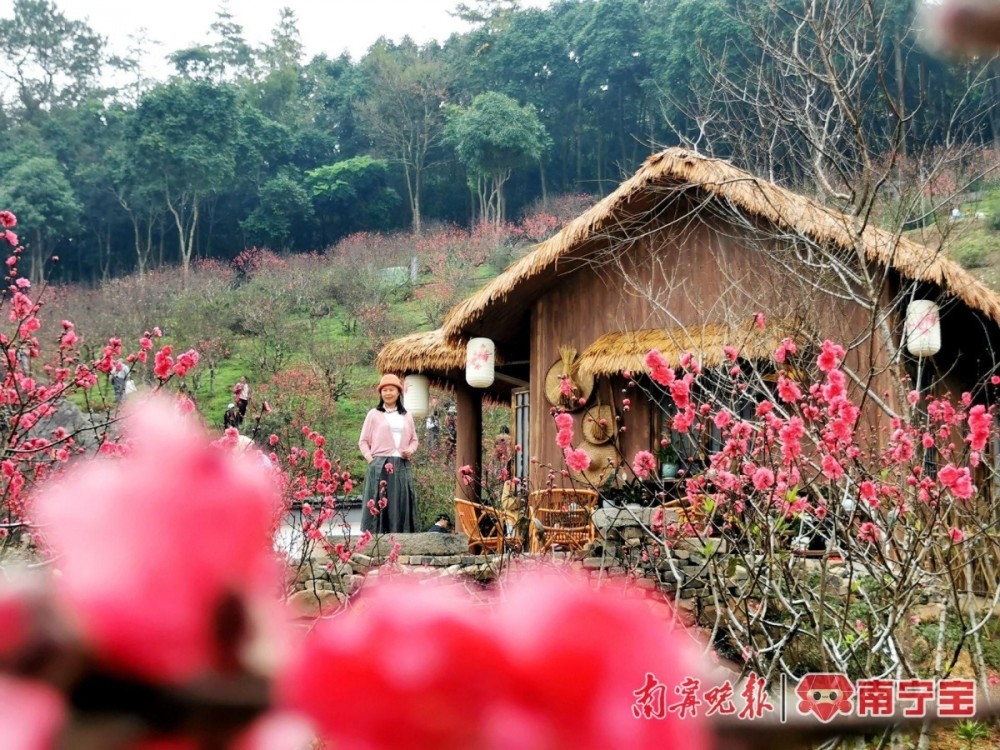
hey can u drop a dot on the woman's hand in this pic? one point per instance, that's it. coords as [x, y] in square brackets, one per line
[406, 454]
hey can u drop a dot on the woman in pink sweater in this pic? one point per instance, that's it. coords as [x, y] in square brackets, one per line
[388, 441]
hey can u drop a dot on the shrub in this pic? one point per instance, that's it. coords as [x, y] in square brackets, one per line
[972, 255]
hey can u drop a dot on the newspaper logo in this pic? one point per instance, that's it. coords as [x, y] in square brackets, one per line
[825, 695]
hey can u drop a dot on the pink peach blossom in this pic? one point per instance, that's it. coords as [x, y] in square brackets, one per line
[140, 527]
[643, 464]
[456, 679]
[31, 714]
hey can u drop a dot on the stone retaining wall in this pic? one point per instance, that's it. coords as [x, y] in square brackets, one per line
[322, 585]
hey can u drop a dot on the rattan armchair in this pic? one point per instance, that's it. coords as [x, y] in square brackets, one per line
[561, 518]
[488, 529]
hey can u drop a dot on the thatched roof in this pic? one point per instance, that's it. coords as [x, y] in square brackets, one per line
[679, 168]
[429, 353]
[626, 350]
[421, 353]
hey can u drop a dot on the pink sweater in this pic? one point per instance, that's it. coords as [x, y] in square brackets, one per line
[376, 436]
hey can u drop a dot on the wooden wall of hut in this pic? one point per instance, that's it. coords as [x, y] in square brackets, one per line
[669, 279]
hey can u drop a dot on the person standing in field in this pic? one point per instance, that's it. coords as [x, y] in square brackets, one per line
[388, 442]
[241, 392]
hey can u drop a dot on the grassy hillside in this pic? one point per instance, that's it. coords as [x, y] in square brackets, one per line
[303, 329]
[973, 240]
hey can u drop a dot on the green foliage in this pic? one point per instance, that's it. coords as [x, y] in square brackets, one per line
[37, 191]
[970, 731]
[974, 249]
[285, 206]
[53, 60]
[353, 195]
[542, 101]
[184, 136]
[495, 134]
[406, 86]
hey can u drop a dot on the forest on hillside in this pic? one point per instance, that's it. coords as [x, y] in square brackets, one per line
[248, 146]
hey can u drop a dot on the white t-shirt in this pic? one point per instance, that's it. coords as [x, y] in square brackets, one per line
[397, 424]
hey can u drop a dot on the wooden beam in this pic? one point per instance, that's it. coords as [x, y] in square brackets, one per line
[510, 379]
[468, 439]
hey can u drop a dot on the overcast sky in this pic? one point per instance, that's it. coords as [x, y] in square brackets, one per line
[329, 26]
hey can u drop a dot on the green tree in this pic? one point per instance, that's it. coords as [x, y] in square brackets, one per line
[137, 195]
[352, 195]
[492, 137]
[529, 55]
[280, 92]
[82, 139]
[50, 59]
[285, 207]
[234, 58]
[183, 140]
[37, 191]
[403, 111]
[612, 68]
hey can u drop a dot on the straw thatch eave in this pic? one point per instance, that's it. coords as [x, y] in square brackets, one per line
[426, 353]
[681, 169]
[625, 351]
[443, 361]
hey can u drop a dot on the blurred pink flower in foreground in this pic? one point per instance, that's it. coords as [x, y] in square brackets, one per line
[166, 577]
[31, 714]
[156, 550]
[421, 666]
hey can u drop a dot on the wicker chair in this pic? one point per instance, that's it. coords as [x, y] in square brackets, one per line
[486, 527]
[561, 518]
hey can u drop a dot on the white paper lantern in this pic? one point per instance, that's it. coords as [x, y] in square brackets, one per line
[923, 328]
[480, 360]
[417, 395]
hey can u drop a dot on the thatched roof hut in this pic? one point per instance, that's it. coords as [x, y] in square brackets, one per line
[684, 257]
[496, 305]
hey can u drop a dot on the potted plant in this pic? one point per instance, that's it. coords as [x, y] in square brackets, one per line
[669, 464]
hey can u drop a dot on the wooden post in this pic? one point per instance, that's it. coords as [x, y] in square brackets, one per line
[468, 440]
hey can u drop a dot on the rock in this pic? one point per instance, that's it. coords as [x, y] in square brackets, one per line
[303, 573]
[85, 430]
[708, 615]
[686, 609]
[315, 604]
[419, 545]
[351, 583]
[360, 563]
[607, 520]
[318, 584]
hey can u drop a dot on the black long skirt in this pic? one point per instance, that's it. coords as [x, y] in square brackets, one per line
[399, 516]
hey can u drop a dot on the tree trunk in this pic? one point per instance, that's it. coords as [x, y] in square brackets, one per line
[900, 90]
[186, 228]
[541, 174]
[37, 260]
[416, 200]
